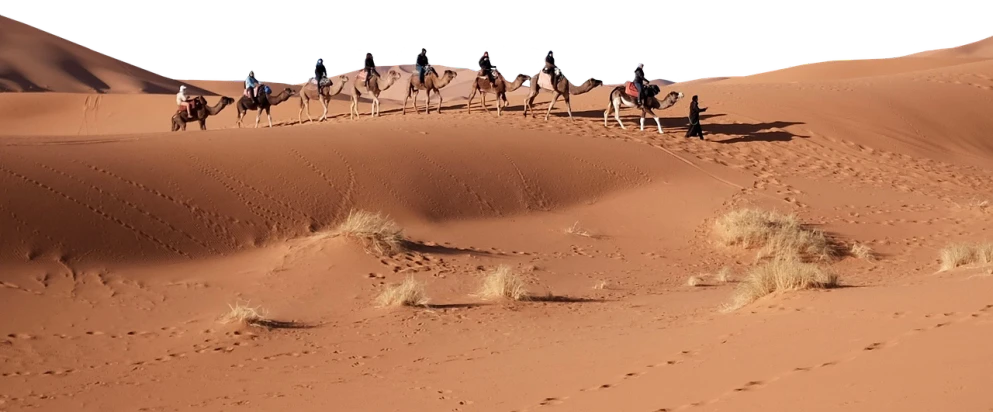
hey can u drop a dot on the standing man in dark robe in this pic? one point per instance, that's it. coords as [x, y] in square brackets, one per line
[695, 128]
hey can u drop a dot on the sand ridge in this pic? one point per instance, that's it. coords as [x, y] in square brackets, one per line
[123, 246]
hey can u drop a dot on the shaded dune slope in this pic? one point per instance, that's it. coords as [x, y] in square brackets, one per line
[194, 197]
[32, 60]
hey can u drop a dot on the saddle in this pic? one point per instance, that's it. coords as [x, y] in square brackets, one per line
[630, 89]
[325, 82]
[258, 88]
[545, 79]
[195, 104]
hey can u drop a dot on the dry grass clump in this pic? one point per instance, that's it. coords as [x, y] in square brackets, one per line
[962, 254]
[379, 234]
[246, 315]
[410, 292]
[694, 281]
[863, 251]
[600, 285]
[503, 283]
[724, 275]
[779, 275]
[577, 230]
[775, 234]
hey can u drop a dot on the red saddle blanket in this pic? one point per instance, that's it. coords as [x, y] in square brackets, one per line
[630, 89]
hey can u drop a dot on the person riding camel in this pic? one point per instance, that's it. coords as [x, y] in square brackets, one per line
[639, 82]
[370, 68]
[250, 85]
[184, 101]
[422, 64]
[320, 73]
[550, 66]
[486, 68]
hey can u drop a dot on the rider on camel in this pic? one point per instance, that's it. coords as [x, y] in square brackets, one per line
[370, 68]
[640, 82]
[550, 66]
[320, 73]
[422, 64]
[486, 67]
[184, 101]
[250, 85]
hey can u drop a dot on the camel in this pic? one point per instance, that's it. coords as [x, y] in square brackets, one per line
[378, 85]
[200, 113]
[499, 86]
[266, 101]
[431, 82]
[562, 87]
[620, 97]
[307, 94]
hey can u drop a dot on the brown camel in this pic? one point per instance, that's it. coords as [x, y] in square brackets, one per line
[376, 86]
[619, 97]
[431, 83]
[499, 86]
[265, 103]
[308, 92]
[200, 113]
[542, 81]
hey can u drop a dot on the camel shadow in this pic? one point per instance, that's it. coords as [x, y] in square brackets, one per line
[752, 132]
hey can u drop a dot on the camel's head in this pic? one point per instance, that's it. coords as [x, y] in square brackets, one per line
[523, 77]
[343, 79]
[595, 82]
[289, 92]
[395, 75]
[451, 73]
[675, 96]
[227, 100]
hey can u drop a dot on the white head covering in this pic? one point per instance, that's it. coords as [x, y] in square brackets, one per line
[182, 87]
[641, 64]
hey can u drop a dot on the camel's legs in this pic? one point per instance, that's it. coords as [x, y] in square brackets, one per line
[325, 115]
[483, 102]
[440, 99]
[472, 95]
[617, 111]
[258, 116]
[405, 98]
[568, 106]
[268, 114]
[550, 105]
[203, 124]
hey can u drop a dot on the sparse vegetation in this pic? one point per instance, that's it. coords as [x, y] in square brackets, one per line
[503, 283]
[863, 251]
[774, 234]
[724, 275]
[779, 275]
[601, 285]
[694, 281]
[244, 314]
[379, 234]
[410, 292]
[577, 230]
[962, 254]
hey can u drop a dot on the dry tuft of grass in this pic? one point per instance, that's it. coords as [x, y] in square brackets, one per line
[246, 315]
[694, 281]
[577, 230]
[863, 251]
[774, 234]
[379, 234]
[503, 283]
[410, 292]
[724, 275]
[962, 254]
[780, 275]
[601, 285]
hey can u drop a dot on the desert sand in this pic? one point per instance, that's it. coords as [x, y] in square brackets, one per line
[124, 246]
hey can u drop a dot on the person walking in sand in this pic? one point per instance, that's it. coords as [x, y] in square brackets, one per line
[695, 129]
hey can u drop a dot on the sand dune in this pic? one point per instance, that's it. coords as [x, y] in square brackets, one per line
[123, 246]
[982, 49]
[35, 61]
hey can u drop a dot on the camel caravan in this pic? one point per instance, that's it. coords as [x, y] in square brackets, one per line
[259, 97]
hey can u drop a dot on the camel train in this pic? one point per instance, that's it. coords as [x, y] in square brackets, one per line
[625, 96]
